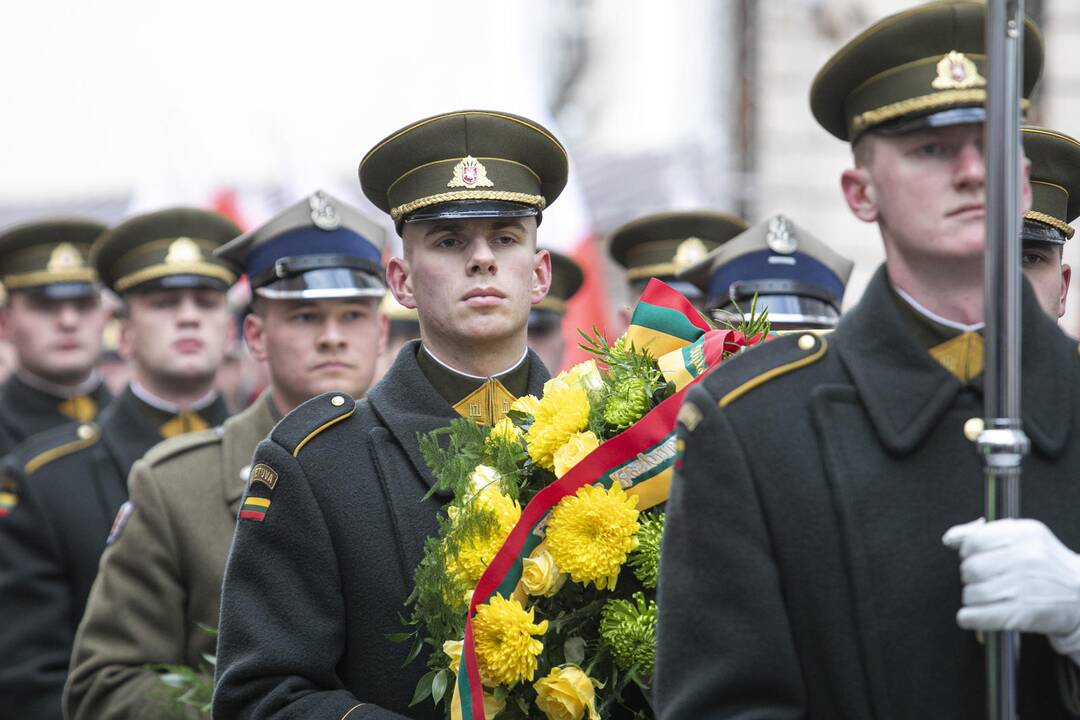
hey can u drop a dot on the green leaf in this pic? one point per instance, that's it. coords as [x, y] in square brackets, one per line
[399, 637]
[423, 687]
[414, 652]
[438, 686]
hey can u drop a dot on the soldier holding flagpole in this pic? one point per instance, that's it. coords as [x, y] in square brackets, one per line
[805, 575]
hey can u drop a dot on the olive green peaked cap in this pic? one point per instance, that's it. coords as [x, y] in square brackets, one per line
[1055, 183]
[664, 244]
[927, 62]
[50, 256]
[474, 162]
[166, 249]
[566, 279]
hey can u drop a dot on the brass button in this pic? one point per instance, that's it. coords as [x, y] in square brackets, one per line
[337, 401]
[973, 428]
[806, 342]
[85, 432]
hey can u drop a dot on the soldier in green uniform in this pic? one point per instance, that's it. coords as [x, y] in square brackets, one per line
[315, 321]
[546, 318]
[72, 480]
[664, 244]
[335, 516]
[820, 559]
[797, 278]
[1055, 202]
[53, 317]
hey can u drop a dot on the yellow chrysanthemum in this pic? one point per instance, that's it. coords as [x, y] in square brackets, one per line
[504, 430]
[563, 411]
[506, 649]
[590, 534]
[576, 447]
[475, 553]
[527, 404]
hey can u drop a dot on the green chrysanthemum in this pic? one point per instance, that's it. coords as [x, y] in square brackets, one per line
[629, 629]
[627, 403]
[646, 560]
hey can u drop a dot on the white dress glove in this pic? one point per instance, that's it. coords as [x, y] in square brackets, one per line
[1018, 576]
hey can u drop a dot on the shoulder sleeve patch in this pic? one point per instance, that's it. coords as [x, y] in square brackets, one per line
[764, 363]
[181, 444]
[9, 496]
[689, 415]
[263, 473]
[119, 522]
[57, 443]
[300, 426]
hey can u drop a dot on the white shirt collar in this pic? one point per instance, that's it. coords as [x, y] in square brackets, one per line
[451, 368]
[63, 392]
[170, 407]
[931, 315]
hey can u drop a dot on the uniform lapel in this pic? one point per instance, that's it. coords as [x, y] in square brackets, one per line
[904, 390]
[240, 435]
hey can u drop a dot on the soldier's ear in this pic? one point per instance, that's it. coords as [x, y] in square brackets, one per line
[858, 187]
[254, 338]
[541, 276]
[399, 280]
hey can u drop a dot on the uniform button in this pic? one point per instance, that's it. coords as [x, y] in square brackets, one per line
[973, 428]
[806, 342]
[85, 432]
[337, 401]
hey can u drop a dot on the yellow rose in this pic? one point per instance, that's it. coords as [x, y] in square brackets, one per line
[541, 576]
[565, 694]
[527, 404]
[576, 447]
[505, 429]
[585, 374]
[453, 649]
[492, 706]
[482, 478]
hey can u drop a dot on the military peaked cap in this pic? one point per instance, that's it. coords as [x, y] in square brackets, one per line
[923, 67]
[319, 247]
[166, 249]
[1055, 184]
[470, 163]
[50, 257]
[799, 278]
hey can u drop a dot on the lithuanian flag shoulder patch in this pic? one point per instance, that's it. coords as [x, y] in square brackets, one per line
[254, 508]
[8, 501]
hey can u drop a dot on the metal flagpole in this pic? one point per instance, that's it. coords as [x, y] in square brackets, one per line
[1003, 444]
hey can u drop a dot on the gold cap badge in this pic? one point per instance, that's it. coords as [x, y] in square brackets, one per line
[64, 256]
[183, 250]
[470, 173]
[956, 71]
[689, 252]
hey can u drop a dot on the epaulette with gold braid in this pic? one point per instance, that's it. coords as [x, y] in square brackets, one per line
[311, 418]
[761, 364]
[56, 443]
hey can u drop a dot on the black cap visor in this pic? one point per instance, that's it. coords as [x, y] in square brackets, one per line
[179, 282]
[320, 283]
[465, 209]
[61, 291]
[942, 118]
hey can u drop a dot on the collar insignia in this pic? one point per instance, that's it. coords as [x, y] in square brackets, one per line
[470, 173]
[956, 71]
[64, 256]
[183, 250]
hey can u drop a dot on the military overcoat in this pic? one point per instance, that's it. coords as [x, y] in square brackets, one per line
[71, 481]
[313, 588]
[26, 411]
[160, 579]
[803, 573]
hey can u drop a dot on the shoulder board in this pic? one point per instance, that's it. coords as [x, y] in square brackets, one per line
[759, 365]
[55, 443]
[309, 419]
[181, 444]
